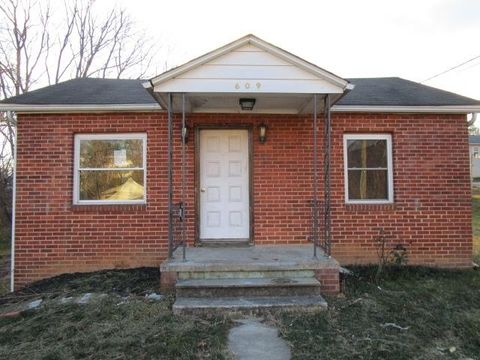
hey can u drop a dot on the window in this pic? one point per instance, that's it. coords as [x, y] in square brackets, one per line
[368, 168]
[475, 152]
[110, 169]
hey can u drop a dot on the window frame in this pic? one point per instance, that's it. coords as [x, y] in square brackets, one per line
[76, 168]
[369, 136]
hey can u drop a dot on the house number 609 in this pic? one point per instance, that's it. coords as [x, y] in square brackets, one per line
[247, 85]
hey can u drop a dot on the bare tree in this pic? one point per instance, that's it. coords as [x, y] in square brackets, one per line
[39, 46]
[90, 45]
[21, 47]
[7, 131]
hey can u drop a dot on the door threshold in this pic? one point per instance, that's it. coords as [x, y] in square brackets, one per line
[224, 243]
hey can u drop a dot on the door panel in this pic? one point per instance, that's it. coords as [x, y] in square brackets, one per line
[224, 184]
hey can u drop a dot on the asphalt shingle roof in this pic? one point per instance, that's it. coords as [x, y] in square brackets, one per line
[391, 91]
[87, 91]
[394, 91]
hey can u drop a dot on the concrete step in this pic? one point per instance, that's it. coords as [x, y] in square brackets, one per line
[190, 305]
[231, 287]
[289, 261]
[225, 243]
[244, 274]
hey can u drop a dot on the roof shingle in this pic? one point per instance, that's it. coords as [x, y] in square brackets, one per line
[390, 91]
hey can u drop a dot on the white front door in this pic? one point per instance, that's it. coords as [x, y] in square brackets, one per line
[224, 185]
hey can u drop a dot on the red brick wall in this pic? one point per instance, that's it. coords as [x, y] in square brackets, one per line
[52, 236]
[431, 212]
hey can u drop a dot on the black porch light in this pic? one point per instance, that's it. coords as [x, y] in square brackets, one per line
[262, 133]
[247, 104]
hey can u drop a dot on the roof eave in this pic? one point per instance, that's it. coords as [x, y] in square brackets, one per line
[32, 108]
[437, 109]
[61, 108]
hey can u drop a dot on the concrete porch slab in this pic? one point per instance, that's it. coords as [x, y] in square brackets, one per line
[255, 258]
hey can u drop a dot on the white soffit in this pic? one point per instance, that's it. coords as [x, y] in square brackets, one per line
[249, 66]
[265, 103]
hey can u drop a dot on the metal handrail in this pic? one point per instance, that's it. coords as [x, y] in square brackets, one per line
[325, 241]
[176, 218]
[317, 235]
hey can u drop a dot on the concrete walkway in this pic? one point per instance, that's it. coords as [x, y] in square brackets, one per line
[253, 340]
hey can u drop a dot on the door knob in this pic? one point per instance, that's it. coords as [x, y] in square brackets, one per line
[203, 189]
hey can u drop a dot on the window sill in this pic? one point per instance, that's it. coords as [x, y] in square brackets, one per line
[370, 206]
[108, 207]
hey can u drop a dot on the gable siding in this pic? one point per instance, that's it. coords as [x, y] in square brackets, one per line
[248, 69]
[431, 213]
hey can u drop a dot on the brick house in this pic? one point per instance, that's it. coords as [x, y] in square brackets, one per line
[245, 154]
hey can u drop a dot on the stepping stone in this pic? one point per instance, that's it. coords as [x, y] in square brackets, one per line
[66, 300]
[254, 340]
[85, 299]
[34, 304]
[154, 297]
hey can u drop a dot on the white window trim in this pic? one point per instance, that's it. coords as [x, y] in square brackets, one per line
[386, 137]
[76, 174]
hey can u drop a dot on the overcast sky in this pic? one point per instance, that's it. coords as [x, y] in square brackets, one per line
[413, 39]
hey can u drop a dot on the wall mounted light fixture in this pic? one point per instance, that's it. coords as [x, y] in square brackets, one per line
[262, 133]
[185, 134]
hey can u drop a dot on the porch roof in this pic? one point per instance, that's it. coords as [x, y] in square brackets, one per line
[249, 67]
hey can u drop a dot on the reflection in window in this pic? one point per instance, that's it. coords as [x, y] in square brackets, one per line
[110, 168]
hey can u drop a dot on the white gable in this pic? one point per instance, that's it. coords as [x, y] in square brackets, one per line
[247, 67]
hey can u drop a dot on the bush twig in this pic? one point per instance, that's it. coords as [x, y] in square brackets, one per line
[395, 326]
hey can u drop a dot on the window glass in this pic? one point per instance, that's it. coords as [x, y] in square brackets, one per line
[367, 153]
[111, 185]
[367, 184]
[111, 153]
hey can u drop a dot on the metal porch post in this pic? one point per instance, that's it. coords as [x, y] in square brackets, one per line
[315, 177]
[184, 129]
[327, 165]
[170, 176]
